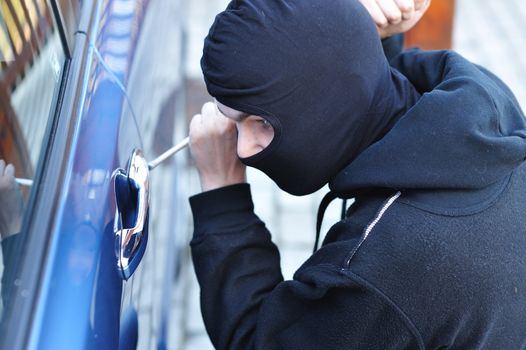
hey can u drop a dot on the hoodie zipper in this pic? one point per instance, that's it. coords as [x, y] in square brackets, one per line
[371, 226]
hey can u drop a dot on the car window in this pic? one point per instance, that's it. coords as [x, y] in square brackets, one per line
[32, 60]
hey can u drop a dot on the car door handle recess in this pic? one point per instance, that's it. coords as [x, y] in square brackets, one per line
[132, 193]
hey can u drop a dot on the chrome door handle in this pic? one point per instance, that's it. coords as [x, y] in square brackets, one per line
[132, 193]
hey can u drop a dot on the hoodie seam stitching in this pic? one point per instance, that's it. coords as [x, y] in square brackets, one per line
[372, 288]
[491, 99]
[461, 212]
[404, 317]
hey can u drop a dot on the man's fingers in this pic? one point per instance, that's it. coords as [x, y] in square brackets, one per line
[420, 4]
[10, 171]
[211, 114]
[390, 10]
[196, 119]
[425, 6]
[208, 107]
[218, 112]
[208, 110]
[195, 129]
[376, 12]
[7, 175]
[210, 123]
[406, 7]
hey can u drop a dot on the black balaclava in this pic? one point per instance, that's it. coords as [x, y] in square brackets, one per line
[315, 69]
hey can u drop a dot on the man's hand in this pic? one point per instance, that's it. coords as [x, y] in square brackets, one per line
[395, 16]
[11, 202]
[213, 144]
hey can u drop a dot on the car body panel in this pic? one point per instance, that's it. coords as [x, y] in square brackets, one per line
[111, 106]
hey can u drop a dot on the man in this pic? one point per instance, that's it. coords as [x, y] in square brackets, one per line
[430, 146]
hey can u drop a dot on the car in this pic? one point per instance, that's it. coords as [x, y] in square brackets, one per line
[92, 237]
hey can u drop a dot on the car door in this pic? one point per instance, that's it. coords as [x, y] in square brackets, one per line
[155, 86]
[70, 278]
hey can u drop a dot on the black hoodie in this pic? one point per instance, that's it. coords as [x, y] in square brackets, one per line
[431, 254]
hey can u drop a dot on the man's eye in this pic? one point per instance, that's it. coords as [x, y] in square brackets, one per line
[264, 122]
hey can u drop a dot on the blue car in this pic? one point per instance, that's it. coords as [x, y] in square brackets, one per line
[90, 93]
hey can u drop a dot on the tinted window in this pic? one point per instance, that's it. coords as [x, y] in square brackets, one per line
[32, 60]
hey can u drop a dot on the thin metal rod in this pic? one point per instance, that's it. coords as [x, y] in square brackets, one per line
[24, 182]
[181, 145]
[151, 165]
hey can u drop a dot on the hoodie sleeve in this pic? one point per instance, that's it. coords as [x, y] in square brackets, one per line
[393, 46]
[246, 304]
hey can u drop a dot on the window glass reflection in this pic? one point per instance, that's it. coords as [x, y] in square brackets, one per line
[31, 63]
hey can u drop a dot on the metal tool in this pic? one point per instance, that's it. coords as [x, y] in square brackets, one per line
[24, 182]
[151, 165]
[181, 145]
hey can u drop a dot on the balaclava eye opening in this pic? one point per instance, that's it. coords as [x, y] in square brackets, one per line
[316, 71]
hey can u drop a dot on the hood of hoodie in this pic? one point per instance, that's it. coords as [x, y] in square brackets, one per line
[466, 133]
[316, 72]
